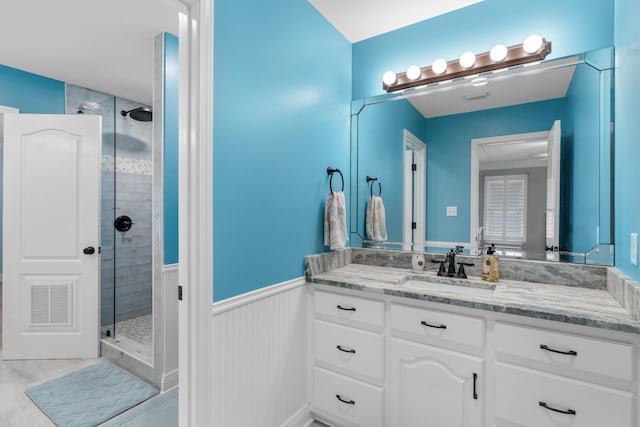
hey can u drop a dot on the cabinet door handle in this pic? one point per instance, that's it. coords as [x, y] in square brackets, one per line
[434, 326]
[346, 350]
[346, 308]
[475, 381]
[348, 402]
[560, 411]
[568, 353]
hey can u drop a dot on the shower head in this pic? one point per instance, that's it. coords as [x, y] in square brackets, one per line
[141, 114]
[88, 106]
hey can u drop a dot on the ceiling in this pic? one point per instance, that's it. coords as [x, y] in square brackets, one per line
[513, 154]
[358, 20]
[103, 45]
[108, 45]
[501, 90]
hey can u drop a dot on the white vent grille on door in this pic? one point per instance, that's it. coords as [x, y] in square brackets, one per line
[50, 304]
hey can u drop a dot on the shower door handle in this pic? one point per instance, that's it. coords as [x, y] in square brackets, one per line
[89, 250]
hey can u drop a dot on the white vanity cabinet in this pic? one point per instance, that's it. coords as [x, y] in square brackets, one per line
[428, 384]
[547, 378]
[433, 387]
[348, 359]
[391, 361]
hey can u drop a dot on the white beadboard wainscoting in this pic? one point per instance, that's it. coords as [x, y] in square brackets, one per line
[259, 368]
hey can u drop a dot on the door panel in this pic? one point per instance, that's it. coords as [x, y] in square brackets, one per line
[553, 187]
[51, 213]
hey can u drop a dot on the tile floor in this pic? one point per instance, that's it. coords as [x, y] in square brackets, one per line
[16, 409]
[134, 336]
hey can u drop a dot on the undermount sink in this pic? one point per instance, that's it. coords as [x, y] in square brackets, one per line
[462, 289]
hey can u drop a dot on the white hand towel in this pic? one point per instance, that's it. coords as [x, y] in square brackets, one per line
[335, 221]
[375, 220]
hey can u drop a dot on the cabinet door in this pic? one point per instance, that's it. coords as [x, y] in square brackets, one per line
[434, 387]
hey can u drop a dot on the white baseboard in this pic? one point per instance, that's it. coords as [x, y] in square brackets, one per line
[170, 380]
[302, 418]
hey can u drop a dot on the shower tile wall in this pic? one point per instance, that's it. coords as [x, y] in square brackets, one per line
[126, 257]
[133, 256]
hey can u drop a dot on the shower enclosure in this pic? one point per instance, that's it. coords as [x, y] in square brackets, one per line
[127, 212]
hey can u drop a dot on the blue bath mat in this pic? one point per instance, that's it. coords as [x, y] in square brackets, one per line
[159, 411]
[89, 396]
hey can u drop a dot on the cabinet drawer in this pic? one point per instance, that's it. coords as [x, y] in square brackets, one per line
[350, 309]
[607, 358]
[352, 349]
[348, 399]
[437, 325]
[521, 392]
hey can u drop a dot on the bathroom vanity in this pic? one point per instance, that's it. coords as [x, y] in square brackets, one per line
[396, 348]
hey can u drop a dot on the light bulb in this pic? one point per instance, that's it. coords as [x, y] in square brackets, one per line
[413, 72]
[532, 44]
[467, 59]
[389, 78]
[439, 66]
[498, 53]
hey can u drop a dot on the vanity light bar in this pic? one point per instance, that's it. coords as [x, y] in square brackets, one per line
[516, 55]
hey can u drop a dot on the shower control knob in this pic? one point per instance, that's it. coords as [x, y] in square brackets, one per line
[89, 250]
[123, 223]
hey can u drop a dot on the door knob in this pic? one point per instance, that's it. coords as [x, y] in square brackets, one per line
[89, 250]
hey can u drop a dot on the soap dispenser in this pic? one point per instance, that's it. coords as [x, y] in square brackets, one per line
[490, 265]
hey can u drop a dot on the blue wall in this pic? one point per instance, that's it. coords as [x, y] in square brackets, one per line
[448, 142]
[572, 26]
[627, 148]
[171, 65]
[380, 154]
[281, 116]
[580, 184]
[30, 93]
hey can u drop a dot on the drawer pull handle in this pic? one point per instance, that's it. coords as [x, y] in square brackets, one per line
[348, 402]
[475, 380]
[346, 350]
[560, 411]
[346, 308]
[568, 353]
[434, 326]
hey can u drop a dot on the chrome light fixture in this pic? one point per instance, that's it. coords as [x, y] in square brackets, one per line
[535, 48]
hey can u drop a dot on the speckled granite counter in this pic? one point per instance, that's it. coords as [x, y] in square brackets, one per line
[569, 304]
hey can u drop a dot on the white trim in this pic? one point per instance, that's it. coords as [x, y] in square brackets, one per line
[437, 244]
[249, 297]
[302, 418]
[170, 267]
[8, 110]
[475, 176]
[195, 211]
[170, 379]
[414, 207]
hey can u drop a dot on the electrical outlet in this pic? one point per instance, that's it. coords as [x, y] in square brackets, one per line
[634, 249]
[452, 211]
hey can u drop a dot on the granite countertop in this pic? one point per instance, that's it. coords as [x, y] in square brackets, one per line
[569, 304]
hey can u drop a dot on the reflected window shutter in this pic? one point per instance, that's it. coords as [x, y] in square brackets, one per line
[505, 207]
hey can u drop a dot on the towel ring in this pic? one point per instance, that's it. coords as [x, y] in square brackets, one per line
[372, 180]
[330, 172]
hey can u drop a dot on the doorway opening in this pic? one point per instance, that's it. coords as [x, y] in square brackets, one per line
[515, 190]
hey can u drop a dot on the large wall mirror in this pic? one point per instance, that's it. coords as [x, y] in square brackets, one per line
[520, 158]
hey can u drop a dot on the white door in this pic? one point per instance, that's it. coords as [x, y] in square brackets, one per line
[553, 187]
[434, 387]
[51, 236]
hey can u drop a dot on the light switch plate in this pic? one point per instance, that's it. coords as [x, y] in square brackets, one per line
[634, 249]
[452, 211]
